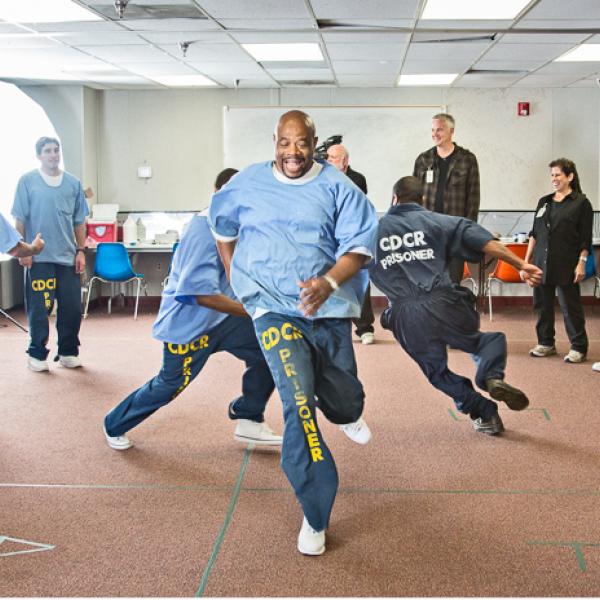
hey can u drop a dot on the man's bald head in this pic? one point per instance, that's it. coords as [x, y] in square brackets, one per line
[295, 143]
[338, 156]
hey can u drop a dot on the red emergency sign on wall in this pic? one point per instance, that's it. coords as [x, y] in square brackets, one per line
[523, 109]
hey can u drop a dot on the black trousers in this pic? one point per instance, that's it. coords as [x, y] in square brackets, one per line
[569, 298]
[426, 325]
[364, 324]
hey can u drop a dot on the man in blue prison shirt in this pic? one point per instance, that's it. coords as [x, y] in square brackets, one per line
[428, 312]
[302, 232]
[199, 316]
[12, 243]
[51, 201]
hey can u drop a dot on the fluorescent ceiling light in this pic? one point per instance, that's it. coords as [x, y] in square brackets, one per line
[44, 11]
[428, 79]
[279, 52]
[183, 80]
[583, 53]
[473, 9]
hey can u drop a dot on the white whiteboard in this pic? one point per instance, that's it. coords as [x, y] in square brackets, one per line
[383, 142]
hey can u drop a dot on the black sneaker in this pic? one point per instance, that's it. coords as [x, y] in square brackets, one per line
[514, 398]
[491, 426]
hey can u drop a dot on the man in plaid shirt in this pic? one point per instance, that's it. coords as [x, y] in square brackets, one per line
[450, 178]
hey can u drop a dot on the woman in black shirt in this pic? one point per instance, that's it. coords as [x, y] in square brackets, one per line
[559, 244]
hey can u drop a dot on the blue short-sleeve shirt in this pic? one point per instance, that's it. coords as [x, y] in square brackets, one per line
[53, 212]
[196, 270]
[9, 237]
[291, 231]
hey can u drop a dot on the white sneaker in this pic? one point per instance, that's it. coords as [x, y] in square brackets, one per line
[574, 356]
[35, 364]
[358, 431]
[71, 362]
[117, 442]
[311, 542]
[367, 338]
[596, 366]
[542, 351]
[259, 433]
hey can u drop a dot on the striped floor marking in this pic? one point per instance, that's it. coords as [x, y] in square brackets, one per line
[232, 504]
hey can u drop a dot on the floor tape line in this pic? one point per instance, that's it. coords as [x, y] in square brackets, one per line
[232, 504]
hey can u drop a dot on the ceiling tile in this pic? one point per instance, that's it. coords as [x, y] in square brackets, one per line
[526, 51]
[267, 37]
[366, 52]
[298, 74]
[359, 9]
[77, 26]
[486, 80]
[270, 9]
[233, 70]
[366, 80]
[585, 83]
[517, 65]
[365, 37]
[543, 38]
[268, 23]
[467, 25]
[443, 50]
[347, 67]
[170, 25]
[104, 38]
[212, 52]
[414, 67]
[580, 69]
[586, 24]
[11, 28]
[131, 54]
[561, 10]
[156, 69]
[26, 40]
[546, 81]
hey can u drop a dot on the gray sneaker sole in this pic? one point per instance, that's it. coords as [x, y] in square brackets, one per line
[247, 440]
[542, 355]
[514, 398]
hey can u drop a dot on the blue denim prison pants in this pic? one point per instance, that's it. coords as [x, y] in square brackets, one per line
[313, 365]
[45, 283]
[183, 362]
[425, 325]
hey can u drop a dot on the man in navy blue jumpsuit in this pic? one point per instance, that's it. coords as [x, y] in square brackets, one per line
[428, 312]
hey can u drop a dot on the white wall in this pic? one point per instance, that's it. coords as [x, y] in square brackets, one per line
[179, 133]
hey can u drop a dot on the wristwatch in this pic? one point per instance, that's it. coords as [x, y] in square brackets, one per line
[80, 250]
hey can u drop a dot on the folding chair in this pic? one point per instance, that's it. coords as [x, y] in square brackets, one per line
[113, 266]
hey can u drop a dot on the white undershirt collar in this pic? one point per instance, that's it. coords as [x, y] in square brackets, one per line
[51, 180]
[308, 176]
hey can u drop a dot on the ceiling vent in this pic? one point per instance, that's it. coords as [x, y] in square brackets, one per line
[139, 10]
[306, 82]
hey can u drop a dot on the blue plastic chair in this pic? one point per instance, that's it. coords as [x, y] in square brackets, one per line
[113, 266]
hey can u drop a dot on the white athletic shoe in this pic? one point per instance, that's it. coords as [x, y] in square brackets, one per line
[259, 433]
[596, 366]
[358, 431]
[35, 364]
[367, 338]
[117, 442]
[574, 356]
[71, 362]
[311, 542]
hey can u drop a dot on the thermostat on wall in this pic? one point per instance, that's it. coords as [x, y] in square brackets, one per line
[145, 172]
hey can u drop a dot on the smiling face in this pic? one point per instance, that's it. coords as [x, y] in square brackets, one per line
[441, 132]
[294, 146]
[50, 158]
[561, 182]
